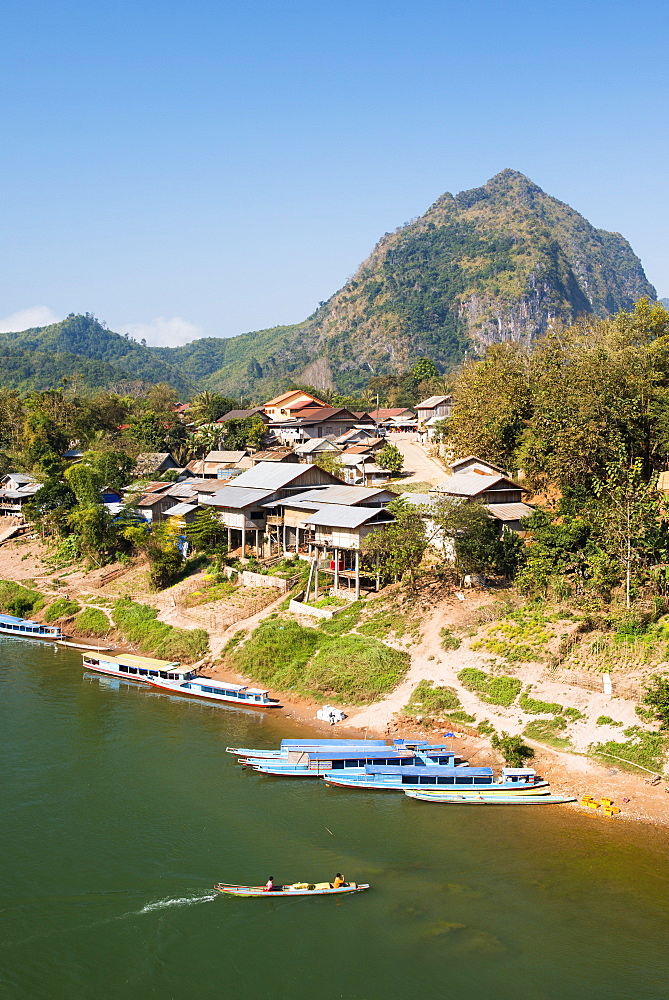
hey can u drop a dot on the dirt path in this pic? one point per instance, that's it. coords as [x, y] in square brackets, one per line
[418, 463]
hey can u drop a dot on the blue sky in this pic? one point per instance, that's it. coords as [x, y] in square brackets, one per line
[205, 168]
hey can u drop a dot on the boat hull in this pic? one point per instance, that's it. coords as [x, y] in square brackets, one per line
[257, 890]
[214, 698]
[399, 787]
[493, 800]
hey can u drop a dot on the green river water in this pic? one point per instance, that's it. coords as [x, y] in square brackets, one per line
[119, 809]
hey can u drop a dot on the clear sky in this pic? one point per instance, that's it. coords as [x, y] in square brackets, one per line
[202, 168]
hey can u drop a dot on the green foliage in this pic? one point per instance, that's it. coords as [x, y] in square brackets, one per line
[390, 457]
[428, 700]
[479, 547]
[93, 622]
[535, 707]
[244, 432]
[62, 608]
[495, 690]
[485, 728]
[288, 656]
[138, 623]
[18, 600]
[50, 506]
[448, 640]
[548, 731]
[641, 747]
[399, 546]
[656, 697]
[606, 720]
[515, 752]
[206, 532]
[344, 621]
[521, 637]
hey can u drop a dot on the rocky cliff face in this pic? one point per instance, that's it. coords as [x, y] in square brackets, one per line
[499, 262]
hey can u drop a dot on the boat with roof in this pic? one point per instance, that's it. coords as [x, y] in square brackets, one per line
[291, 744]
[137, 668]
[212, 690]
[26, 629]
[451, 779]
[297, 889]
[310, 763]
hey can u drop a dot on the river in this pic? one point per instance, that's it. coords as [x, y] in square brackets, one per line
[120, 809]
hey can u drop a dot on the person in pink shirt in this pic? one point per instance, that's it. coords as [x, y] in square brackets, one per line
[270, 884]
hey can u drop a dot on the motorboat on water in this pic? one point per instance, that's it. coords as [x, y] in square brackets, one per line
[297, 889]
[136, 668]
[447, 779]
[542, 797]
[212, 690]
[23, 628]
[313, 763]
[292, 744]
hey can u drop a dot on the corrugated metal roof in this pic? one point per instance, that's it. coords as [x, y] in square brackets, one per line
[237, 497]
[470, 484]
[225, 456]
[345, 495]
[509, 511]
[316, 444]
[270, 475]
[473, 458]
[181, 509]
[432, 401]
[338, 516]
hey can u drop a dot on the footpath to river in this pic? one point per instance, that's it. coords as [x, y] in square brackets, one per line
[120, 809]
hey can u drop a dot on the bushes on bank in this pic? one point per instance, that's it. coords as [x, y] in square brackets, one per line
[93, 622]
[62, 608]
[495, 690]
[287, 656]
[139, 624]
[18, 600]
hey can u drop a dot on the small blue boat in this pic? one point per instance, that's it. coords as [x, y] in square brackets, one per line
[26, 629]
[451, 779]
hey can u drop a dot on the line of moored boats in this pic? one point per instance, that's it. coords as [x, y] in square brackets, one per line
[427, 771]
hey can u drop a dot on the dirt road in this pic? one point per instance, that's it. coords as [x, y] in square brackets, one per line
[423, 469]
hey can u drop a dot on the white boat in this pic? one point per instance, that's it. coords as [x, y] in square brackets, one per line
[137, 668]
[26, 629]
[209, 689]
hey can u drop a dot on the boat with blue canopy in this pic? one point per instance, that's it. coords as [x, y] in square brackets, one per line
[453, 779]
[292, 744]
[310, 763]
[26, 629]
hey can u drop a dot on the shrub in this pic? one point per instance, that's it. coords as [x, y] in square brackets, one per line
[19, 601]
[534, 707]
[426, 699]
[573, 714]
[547, 731]
[462, 717]
[495, 690]
[485, 728]
[92, 622]
[356, 668]
[277, 653]
[448, 640]
[512, 748]
[648, 750]
[606, 720]
[61, 608]
[657, 698]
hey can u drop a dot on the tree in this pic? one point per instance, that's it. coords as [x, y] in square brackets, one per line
[515, 752]
[206, 532]
[390, 457]
[626, 517]
[657, 697]
[477, 545]
[246, 432]
[50, 506]
[165, 558]
[331, 462]
[84, 482]
[207, 407]
[399, 546]
[98, 535]
[424, 369]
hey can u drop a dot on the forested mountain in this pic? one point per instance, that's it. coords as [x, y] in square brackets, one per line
[80, 348]
[496, 263]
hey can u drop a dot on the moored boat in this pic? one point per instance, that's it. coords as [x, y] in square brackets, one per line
[137, 668]
[309, 763]
[298, 889]
[26, 629]
[540, 798]
[449, 779]
[291, 744]
[212, 690]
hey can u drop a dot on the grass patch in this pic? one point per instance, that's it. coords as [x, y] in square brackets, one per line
[535, 707]
[521, 637]
[91, 621]
[606, 720]
[495, 690]
[448, 640]
[649, 750]
[138, 623]
[287, 656]
[485, 728]
[19, 601]
[62, 608]
[426, 699]
[328, 602]
[214, 591]
[344, 621]
[548, 731]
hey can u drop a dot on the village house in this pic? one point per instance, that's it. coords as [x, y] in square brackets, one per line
[395, 419]
[471, 463]
[154, 463]
[255, 411]
[492, 489]
[309, 451]
[318, 422]
[289, 403]
[217, 462]
[16, 490]
[430, 412]
[274, 455]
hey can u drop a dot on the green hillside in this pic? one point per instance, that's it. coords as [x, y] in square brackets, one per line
[81, 348]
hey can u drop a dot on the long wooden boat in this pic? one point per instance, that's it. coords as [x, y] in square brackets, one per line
[498, 799]
[211, 690]
[26, 629]
[298, 889]
[136, 668]
[445, 779]
[293, 744]
[309, 764]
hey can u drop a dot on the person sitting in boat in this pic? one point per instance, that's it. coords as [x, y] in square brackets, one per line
[338, 881]
[270, 884]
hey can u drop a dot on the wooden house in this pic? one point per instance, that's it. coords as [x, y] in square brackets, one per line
[289, 403]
